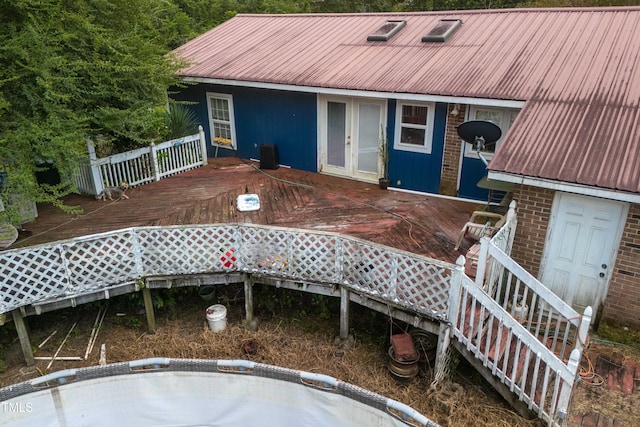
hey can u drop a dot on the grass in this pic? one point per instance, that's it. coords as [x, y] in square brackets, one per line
[618, 334]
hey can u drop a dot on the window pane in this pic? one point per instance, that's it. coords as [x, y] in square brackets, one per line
[413, 114]
[336, 131]
[368, 137]
[489, 115]
[412, 136]
[220, 109]
[489, 148]
[222, 130]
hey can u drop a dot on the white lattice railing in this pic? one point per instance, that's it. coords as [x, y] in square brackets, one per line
[92, 263]
[504, 236]
[141, 166]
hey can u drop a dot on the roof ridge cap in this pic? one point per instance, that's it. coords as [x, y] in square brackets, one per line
[449, 12]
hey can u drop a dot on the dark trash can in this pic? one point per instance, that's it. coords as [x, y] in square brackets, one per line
[269, 156]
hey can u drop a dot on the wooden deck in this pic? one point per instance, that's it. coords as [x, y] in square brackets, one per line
[421, 224]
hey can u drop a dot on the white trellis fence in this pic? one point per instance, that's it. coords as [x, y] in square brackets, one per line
[141, 166]
[95, 263]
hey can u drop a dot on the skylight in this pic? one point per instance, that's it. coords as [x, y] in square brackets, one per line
[389, 29]
[442, 31]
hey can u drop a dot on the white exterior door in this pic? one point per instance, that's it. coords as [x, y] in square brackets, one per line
[349, 136]
[582, 242]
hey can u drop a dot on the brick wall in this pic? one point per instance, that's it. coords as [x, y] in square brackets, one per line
[623, 300]
[533, 207]
[451, 155]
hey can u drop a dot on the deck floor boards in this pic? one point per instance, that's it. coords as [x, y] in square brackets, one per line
[422, 224]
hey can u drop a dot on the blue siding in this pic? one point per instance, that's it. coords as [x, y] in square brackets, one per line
[418, 171]
[262, 116]
[289, 120]
[472, 171]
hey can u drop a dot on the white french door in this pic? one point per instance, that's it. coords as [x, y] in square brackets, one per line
[350, 136]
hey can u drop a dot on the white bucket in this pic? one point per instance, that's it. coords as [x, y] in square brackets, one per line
[217, 317]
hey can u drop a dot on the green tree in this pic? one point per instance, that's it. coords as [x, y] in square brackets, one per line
[206, 14]
[73, 69]
[580, 3]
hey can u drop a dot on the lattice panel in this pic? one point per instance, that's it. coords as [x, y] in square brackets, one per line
[501, 238]
[314, 257]
[267, 251]
[423, 286]
[369, 268]
[31, 275]
[100, 262]
[86, 264]
[190, 250]
[443, 366]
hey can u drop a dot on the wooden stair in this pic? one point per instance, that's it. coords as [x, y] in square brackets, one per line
[476, 316]
[488, 333]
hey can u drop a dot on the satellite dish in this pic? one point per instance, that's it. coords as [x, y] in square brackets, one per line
[479, 133]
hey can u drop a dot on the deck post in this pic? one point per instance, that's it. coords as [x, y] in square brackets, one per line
[574, 364]
[566, 388]
[203, 146]
[344, 312]
[154, 161]
[455, 289]
[443, 355]
[248, 298]
[483, 257]
[148, 309]
[583, 328]
[96, 176]
[512, 220]
[23, 335]
[442, 360]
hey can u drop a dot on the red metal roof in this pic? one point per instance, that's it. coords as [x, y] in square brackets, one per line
[578, 69]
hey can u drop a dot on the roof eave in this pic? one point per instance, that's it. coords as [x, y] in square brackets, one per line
[502, 103]
[568, 187]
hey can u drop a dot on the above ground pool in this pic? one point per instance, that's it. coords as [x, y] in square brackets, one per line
[179, 392]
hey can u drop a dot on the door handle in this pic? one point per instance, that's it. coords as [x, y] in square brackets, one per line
[604, 266]
[601, 274]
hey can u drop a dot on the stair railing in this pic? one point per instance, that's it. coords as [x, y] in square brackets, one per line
[535, 373]
[545, 315]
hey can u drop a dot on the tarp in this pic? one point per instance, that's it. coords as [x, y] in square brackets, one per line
[176, 398]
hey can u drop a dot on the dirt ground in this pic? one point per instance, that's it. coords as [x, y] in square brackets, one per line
[608, 394]
[293, 331]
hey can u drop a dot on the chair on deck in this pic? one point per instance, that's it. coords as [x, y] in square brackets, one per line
[481, 223]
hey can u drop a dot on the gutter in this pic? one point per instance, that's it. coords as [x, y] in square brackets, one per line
[486, 102]
[567, 187]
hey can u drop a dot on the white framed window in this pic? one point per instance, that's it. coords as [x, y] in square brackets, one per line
[221, 121]
[414, 126]
[503, 117]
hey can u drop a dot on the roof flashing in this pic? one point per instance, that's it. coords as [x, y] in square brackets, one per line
[442, 30]
[389, 29]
